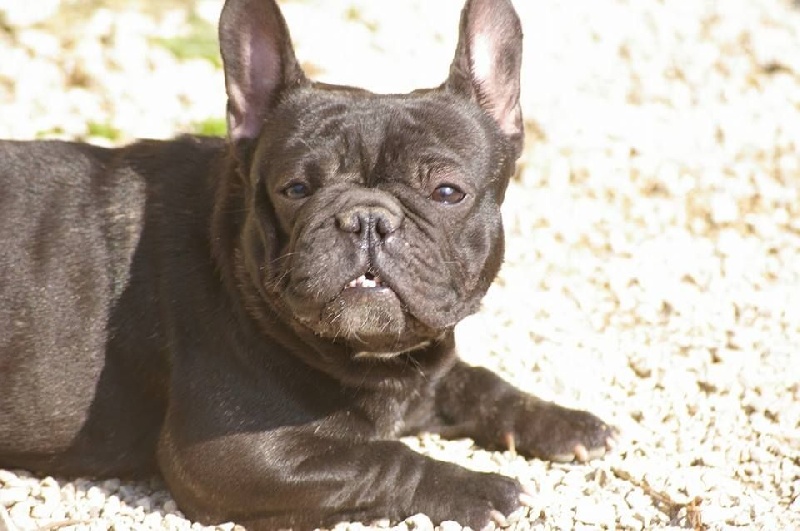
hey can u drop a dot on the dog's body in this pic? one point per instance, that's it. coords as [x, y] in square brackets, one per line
[258, 319]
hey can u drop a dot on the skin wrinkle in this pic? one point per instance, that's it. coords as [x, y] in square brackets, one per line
[430, 236]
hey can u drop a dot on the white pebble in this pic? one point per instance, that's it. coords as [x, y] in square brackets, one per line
[449, 525]
[419, 522]
[12, 495]
[9, 479]
[596, 513]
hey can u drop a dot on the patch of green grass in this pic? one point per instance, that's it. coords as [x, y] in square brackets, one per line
[200, 42]
[211, 127]
[103, 131]
[54, 131]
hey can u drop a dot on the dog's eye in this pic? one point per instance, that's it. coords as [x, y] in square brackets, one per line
[448, 193]
[297, 191]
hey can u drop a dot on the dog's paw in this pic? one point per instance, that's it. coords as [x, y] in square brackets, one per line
[556, 433]
[475, 499]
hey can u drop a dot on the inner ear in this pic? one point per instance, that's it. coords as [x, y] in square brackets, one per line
[259, 63]
[487, 64]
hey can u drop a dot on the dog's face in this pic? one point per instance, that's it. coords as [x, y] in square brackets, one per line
[373, 219]
[388, 217]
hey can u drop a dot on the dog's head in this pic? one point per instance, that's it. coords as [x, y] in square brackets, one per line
[372, 220]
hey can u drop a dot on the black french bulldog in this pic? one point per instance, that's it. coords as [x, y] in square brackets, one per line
[260, 319]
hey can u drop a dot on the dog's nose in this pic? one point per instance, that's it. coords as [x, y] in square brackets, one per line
[374, 222]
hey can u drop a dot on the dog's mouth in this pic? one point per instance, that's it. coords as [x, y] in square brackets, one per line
[369, 280]
[366, 312]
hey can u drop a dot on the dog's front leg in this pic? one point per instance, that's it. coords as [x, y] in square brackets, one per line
[474, 402]
[292, 477]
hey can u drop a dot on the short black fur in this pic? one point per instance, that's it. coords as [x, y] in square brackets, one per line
[259, 319]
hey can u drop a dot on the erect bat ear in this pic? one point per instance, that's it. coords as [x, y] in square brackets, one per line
[486, 67]
[259, 63]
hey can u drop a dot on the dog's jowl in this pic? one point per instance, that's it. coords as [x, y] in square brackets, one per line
[259, 318]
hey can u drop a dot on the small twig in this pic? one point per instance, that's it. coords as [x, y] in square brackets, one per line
[693, 514]
[64, 523]
[692, 506]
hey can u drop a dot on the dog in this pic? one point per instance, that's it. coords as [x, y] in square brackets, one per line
[259, 318]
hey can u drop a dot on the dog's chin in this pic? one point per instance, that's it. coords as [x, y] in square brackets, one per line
[366, 318]
[372, 321]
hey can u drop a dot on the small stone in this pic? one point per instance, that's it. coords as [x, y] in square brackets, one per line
[172, 521]
[627, 521]
[11, 495]
[713, 459]
[724, 209]
[50, 494]
[21, 515]
[111, 485]
[153, 521]
[127, 493]
[449, 525]
[5, 520]
[95, 496]
[715, 515]
[419, 522]
[591, 512]
[742, 518]
[112, 504]
[137, 514]
[40, 512]
[9, 479]
[28, 13]
[144, 504]
[34, 488]
[521, 525]
[68, 492]
[563, 521]
[58, 514]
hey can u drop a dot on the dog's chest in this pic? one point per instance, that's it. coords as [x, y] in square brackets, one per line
[391, 422]
[396, 413]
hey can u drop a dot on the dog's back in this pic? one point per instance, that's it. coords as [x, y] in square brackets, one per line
[72, 220]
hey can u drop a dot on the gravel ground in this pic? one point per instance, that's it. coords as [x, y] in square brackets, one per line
[653, 268]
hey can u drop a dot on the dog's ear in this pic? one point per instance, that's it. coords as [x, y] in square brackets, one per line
[259, 62]
[487, 63]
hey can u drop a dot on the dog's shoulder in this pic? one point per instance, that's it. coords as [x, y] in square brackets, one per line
[25, 161]
[183, 153]
[77, 194]
[57, 160]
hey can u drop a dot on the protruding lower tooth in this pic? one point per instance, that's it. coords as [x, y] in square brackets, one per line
[364, 282]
